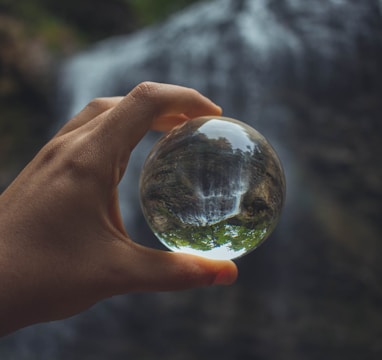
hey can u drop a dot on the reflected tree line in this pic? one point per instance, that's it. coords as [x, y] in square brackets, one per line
[203, 193]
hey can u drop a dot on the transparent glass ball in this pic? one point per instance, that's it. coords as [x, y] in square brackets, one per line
[212, 187]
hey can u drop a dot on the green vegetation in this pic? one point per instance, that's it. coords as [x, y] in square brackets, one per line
[149, 11]
[87, 20]
[236, 238]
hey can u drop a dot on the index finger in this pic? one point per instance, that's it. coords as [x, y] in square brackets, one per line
[146, 106]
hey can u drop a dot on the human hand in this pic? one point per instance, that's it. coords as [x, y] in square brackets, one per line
[63, 246]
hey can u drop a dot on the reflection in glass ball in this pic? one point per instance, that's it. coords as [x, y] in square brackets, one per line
[212, 187]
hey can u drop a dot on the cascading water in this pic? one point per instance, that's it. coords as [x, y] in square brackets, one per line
[307, 75]
[216, 199]
[205, 48]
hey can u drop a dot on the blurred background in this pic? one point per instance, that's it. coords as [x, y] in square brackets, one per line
[307, 74]
[35, 38]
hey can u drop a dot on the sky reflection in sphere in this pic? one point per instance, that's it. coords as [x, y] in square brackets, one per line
[212, 187]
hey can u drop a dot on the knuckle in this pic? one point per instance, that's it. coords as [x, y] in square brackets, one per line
[75, 162]
[66, 158]
[145, 91]
[98, 104]
[51, 151]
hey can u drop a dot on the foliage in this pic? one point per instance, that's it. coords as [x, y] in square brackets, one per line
[236, 238]
[88, 20]
[150, 11]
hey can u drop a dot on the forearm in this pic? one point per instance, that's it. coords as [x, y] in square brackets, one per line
[20, 269]
[12, 297]
[38, 282]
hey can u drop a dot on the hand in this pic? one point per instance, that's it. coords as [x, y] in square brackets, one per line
[63, 246]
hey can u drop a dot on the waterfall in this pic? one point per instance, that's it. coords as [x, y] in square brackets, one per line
[306, 74]
[206, 48]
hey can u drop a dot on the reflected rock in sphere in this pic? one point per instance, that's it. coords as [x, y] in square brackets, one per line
[212, 187]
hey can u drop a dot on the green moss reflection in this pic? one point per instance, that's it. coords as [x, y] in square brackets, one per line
[205, 238]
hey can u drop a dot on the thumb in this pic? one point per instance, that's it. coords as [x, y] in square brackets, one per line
[156, 270]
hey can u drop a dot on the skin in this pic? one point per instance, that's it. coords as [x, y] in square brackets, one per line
[63, 246]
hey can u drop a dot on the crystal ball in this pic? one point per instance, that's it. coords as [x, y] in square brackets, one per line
[213, 187]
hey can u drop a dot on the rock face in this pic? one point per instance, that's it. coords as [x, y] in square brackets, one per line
[307, 75]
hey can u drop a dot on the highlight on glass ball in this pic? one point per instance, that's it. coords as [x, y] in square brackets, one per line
[212, 187]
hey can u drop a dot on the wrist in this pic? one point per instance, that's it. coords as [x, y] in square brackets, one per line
[15, 284]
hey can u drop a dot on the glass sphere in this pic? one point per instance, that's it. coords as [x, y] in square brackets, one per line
[212, 187]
